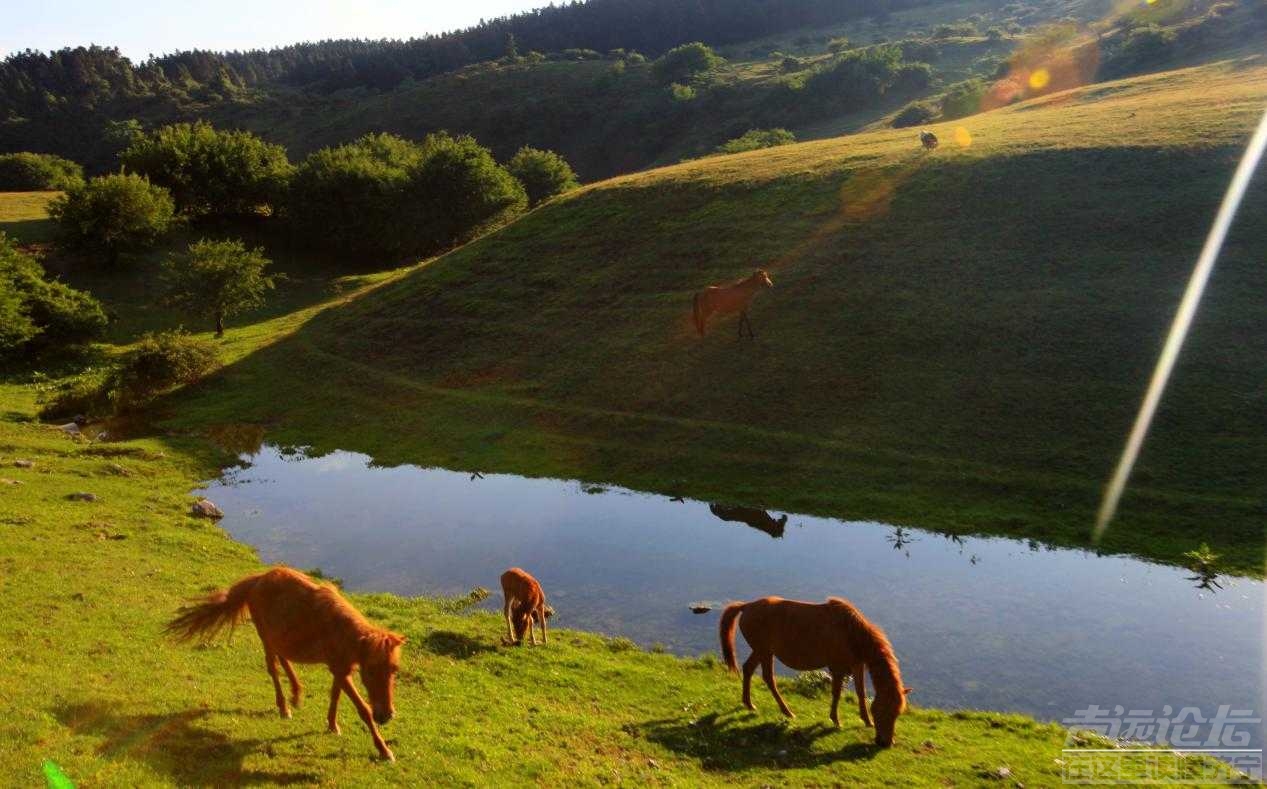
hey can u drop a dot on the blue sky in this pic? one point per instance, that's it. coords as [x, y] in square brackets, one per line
[141, 27]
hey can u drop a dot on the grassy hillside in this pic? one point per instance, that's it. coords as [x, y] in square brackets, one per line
[955, 340]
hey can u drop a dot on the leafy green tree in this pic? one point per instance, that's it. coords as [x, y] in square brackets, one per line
[350, 197]
[218, 279]
[457, 190]
[682, 63]
[210, 171]
[33, 172]
[543, 174]
[36, 310]
[755, 139]
[113, 214]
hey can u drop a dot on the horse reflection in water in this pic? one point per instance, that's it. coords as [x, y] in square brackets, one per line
[757, 519]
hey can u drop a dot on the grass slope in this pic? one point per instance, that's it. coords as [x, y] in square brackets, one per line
[955, 340]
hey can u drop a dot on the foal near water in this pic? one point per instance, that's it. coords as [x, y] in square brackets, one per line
[725, 299]
[300, 620]
[525, 603]
[808, 636]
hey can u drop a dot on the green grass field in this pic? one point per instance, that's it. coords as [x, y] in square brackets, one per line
[94, 688]
[955, 340]
[24, 216]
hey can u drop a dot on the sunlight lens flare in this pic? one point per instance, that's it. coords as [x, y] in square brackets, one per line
[1182, 322]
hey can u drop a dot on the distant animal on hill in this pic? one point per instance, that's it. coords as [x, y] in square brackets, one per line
[757, 519]
[727, 299]
[524, 602]
[929, 140]
[809, 636]
[298, 619]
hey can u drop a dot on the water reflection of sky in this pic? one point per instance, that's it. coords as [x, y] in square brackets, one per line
[979, 623]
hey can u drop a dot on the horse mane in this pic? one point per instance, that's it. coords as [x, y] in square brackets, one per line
[872, 645]
[333, 606]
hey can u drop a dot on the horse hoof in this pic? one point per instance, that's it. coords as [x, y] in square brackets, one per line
[285, 714]
[388, 755]
[334, 729]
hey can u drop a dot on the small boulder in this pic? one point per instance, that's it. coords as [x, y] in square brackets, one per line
[204, 508]
[83, 497]
[23, 464]
[5, 481]
[70, 429]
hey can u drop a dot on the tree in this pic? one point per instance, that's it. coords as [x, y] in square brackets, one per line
[963, 99]
[543, 174]
[113, 214]
[350, 197]
[32, 172]
[913, 114]
[210, 171]
[36, 310]
[754, 139]
[218, 279]
[681, 63]
[456, 190]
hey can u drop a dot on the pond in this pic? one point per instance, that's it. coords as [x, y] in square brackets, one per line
[984, 623]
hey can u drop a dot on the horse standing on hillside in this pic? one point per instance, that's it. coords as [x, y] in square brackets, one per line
[298, 619]
[929, 140]
[808, 636]
[725, 299]
[524, 602]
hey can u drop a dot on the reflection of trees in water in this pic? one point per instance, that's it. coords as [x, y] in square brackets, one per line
[1202, 562]
[751, 516]
[900, 538]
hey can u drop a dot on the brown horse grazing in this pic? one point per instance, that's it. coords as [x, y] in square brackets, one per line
[808, 636]
[929, 140]
[524, 602]
[726, 299]
[300, 620]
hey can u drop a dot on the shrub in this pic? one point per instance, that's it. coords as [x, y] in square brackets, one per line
[161, 362]
[210, 171]
[791, 64]
[90, 393]
[35, 172]
[912, 78]
[218, 279]
[680, 92]
[37, 311]
[757, 138]
[913, 114]
[963, 99]
[384, 194]
[956, 30]
[113, 214]
[857, 78]
[838, 45]
[543, 174]
[681, 63]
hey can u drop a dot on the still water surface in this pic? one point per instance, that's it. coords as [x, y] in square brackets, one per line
[984, 623]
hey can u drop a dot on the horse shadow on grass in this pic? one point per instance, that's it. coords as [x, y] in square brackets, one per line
[177, 745]
[733, 741]
[456, 645]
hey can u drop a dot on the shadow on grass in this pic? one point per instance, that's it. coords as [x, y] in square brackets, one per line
[739, 741]
[175, 744]
[456, 645]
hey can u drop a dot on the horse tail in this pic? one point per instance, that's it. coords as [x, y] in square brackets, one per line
[726, 631]
[208, 616]
[695, 312]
